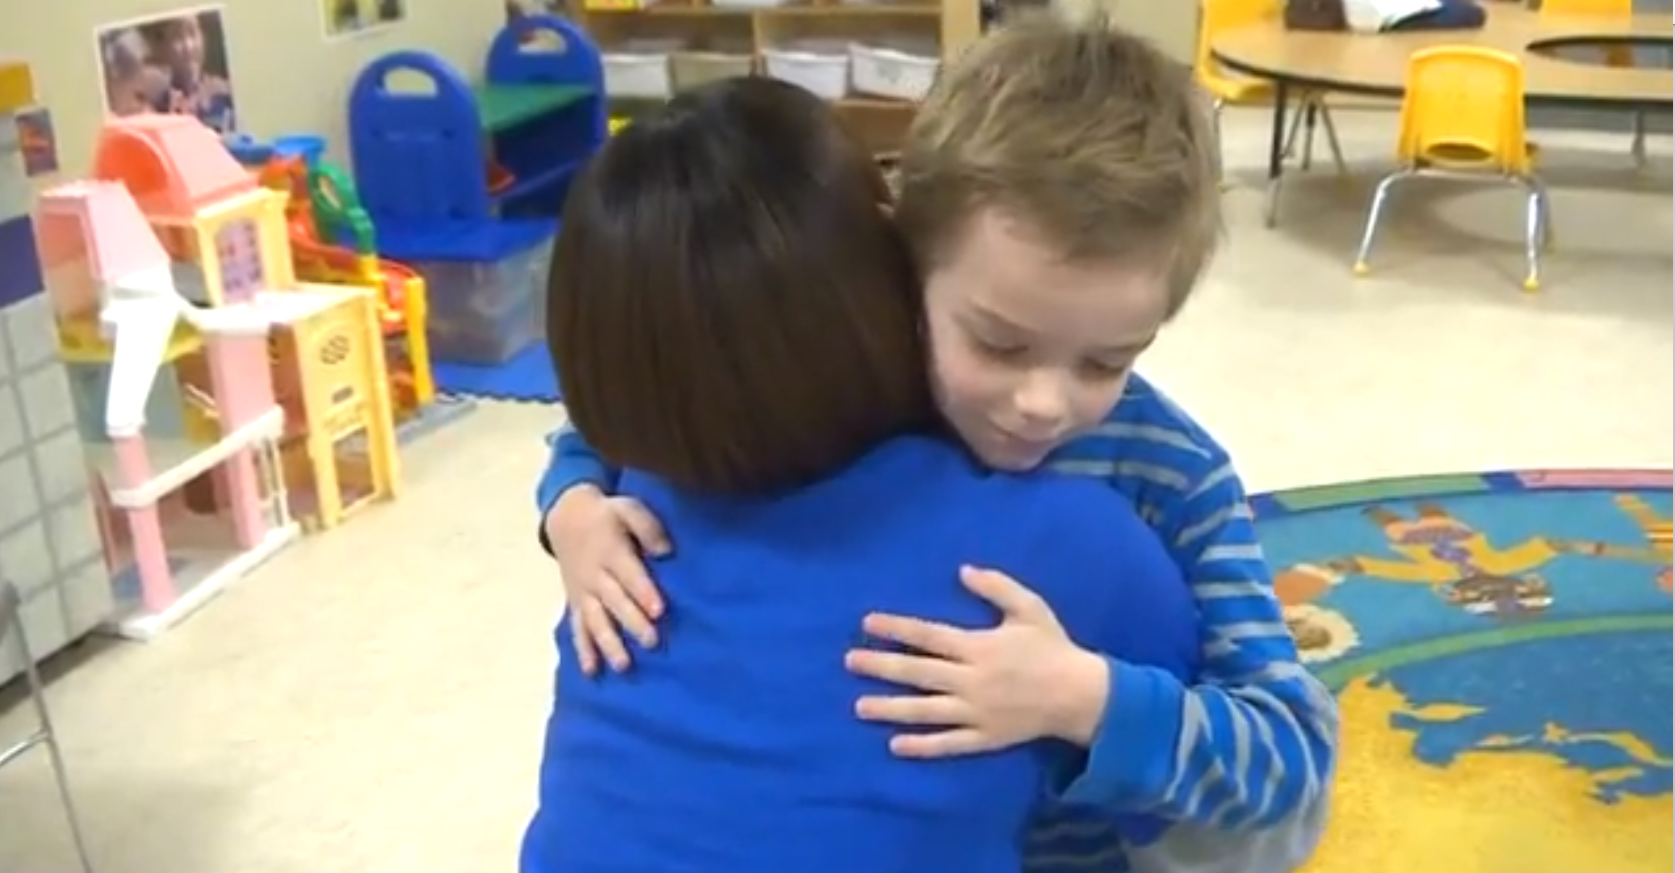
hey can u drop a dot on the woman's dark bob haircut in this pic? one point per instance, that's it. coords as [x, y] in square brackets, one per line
[730, 307]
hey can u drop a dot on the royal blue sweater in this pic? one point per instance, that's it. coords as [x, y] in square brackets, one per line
[733, 746]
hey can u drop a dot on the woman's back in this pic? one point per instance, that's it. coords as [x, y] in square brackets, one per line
[734, 746]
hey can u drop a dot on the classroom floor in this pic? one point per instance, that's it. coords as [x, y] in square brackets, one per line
[371, 702]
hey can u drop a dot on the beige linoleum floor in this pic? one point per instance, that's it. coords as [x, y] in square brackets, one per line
[371, 702]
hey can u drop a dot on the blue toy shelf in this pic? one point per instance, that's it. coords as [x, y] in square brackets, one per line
[425, 158]
[465, 182]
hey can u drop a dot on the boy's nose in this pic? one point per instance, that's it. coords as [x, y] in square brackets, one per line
[1041, 404]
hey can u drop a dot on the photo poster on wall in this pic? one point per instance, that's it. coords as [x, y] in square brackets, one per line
[346, 18]
[516, 9]
[175, 63]
[37, 141]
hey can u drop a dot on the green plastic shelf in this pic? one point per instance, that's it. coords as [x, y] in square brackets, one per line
[502, 106]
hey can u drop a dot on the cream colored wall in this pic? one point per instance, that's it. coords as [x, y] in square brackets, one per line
[1172, 25]
[286, 77]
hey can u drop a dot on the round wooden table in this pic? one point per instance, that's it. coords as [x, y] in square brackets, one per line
[1376, 64]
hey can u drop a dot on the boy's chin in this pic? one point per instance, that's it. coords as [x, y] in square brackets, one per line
[999, 451]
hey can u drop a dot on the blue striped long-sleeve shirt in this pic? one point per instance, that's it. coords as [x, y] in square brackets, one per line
[1254, 758]
[1254, 754]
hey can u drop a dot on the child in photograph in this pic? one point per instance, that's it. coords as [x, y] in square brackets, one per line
[179, 46]
[132, 86]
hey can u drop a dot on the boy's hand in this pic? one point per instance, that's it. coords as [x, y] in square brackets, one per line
[991, 688]
[600, 542]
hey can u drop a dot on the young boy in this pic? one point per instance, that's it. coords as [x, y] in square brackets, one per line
[1059, 192]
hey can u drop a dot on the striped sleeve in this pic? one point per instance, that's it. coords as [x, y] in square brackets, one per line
[1259, 733]
[1254, 754]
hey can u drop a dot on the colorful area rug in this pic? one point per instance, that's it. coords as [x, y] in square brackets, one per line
[1501, 650]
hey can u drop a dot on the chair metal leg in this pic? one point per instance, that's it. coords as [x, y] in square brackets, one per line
[1216, 107]
[1638, 147]
[45, 737]
[1375, 214]
[1332, 139]
[1295, 128]
[1537, 234]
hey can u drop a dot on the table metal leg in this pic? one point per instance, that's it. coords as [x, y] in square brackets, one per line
[1310, 111]
[1276, 154]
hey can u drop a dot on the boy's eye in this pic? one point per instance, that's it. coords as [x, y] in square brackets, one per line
[1105, 369]
[999, 349]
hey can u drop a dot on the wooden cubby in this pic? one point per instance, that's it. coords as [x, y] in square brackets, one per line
[700, 25]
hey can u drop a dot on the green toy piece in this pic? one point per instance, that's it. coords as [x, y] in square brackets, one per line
[337, 209]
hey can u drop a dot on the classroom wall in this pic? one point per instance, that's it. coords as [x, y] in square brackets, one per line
[286, 76]
[1172, 25]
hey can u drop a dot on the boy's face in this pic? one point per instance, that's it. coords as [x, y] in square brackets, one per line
[1029, 350]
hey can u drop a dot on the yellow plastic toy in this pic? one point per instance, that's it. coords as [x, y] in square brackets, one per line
[17, 86]
[329, 372]
[324, 196]
[229, 244]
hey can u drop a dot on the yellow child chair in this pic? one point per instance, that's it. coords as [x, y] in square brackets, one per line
[1463, 118]
[1224, 87]
[1615, 56]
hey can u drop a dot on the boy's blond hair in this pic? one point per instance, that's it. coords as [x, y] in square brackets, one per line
[1087, 136]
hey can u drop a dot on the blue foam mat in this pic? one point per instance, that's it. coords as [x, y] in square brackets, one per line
[526, 377]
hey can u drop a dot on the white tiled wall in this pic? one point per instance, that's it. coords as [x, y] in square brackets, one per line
[49, 541]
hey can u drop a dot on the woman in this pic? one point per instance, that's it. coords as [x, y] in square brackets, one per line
[736, 325]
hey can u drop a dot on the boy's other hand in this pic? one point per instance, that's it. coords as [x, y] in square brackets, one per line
[601, 543]
[989, 688]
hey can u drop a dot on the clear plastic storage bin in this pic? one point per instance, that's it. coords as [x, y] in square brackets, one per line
[698, 68]
[484, 312]
[901, 69]
[820, 66]
[640, 68]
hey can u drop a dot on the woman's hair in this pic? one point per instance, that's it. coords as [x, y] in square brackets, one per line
[730, 307]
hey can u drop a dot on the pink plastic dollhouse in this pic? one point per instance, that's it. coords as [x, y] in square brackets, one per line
[177, 396]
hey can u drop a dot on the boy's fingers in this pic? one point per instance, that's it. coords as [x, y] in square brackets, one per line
[941, 710]
[647, 531]
[587, 656]
[1008, 594]
[932, 675]
[632, 578]
[961, 741]
[602, 631]
[626, 609]
[930, 637]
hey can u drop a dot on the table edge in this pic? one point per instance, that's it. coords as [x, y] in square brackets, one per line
[1533, 98]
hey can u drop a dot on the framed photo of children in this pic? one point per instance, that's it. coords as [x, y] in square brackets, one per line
[342, 18]
[174, 63]
[516, 9]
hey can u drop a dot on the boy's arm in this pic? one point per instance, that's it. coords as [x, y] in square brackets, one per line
[1194, 848]
[1254, 753]
[572, 462]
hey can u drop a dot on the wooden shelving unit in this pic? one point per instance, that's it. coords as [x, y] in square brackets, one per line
[704, 26]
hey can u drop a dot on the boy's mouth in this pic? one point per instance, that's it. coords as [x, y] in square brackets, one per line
[1021, 449]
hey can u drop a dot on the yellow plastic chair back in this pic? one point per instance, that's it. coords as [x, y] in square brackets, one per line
[1615, 56]
[1464, 109]
[1216, 17]
[1587, 7]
